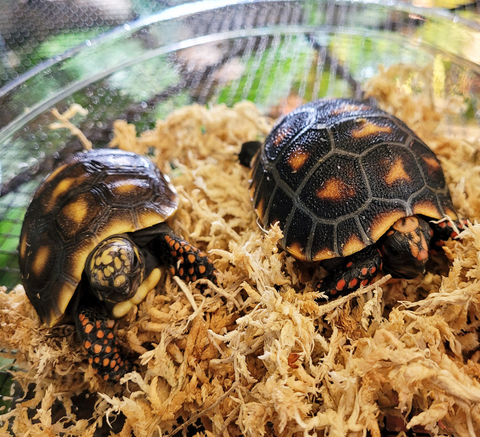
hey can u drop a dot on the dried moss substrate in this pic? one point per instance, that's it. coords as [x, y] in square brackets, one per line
[256, 355]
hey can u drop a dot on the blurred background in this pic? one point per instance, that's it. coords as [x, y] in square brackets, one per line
[32, 31]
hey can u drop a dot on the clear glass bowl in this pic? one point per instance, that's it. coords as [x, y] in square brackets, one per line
[214, 52]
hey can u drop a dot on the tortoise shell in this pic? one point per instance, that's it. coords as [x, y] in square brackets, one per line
[92, 196]
[336, 174]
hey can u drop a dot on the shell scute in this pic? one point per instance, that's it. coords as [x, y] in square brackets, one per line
[336, 188]
[359, 134]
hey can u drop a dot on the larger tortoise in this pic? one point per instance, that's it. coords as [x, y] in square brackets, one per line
[91, 244]
[351, 183]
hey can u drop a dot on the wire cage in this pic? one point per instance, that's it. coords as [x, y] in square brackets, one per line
[273, 53]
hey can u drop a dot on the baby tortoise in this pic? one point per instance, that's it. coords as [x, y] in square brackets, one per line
[351, 184]
[92, 242]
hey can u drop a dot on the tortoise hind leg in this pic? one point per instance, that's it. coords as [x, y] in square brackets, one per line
[96, 331]
[184, 259]
[357, 270]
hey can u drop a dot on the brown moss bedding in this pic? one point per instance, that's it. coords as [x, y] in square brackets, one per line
[256, 355]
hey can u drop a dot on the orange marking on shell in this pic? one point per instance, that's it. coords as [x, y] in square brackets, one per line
[84, 321]
[353, 283]
[177, 246]
[349, 264]
[98, 324]
[432, 164]
[105, 362]
[113, 363]
[100, 334]
[364, 282]
[428, 209]
[397, 172]
[341, 284]
[88, 328]
[97, 348]
[191, 271]
[191, 258]
[324, 254]
[96, 360]
[105, 377]
[202, 269]
[194, 278]
[335, 189]
[90, 360]
[105, 341]
[348, 108]
[187, 247]
[373, 270]
[297, 159]
[116, 356]
[110, 335]
[116, 368]
[87, 344]
[81, 317]
[364, 271]
[297, 250]
[281, 134]
[353, 245]
[181, 271]
[108, 349]
[368, 128]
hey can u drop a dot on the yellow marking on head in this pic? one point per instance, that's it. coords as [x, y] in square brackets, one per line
[432, 163]
[122, 308]
[118, 263]
[397, 173]
[76, 210]
[368, 128]
[335, 189]
[106, 257]
[119, 280]
[382, 223]
[297, 159]
[106, 272]
[40, 260]
[353, 245]
[324, 254]
[347, 108]
[296, 250]
[428, 209]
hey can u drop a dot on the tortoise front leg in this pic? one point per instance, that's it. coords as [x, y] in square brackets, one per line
[184, 259]
[444, 230]
[357, 270]
[96, 331]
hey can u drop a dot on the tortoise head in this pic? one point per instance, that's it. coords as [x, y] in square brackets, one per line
[405, 247]
[115, 269]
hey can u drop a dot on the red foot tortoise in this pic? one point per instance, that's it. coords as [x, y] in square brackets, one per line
[92, 242]
[351, 184]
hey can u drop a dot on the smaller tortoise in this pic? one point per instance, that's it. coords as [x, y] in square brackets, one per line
[91, 244]
[354, 187]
